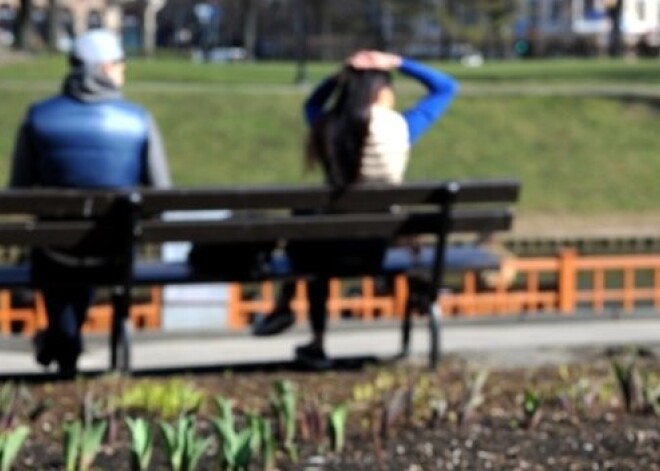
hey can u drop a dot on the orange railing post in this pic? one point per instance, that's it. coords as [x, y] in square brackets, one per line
[567, 281]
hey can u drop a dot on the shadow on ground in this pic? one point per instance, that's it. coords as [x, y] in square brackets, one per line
[354, 363]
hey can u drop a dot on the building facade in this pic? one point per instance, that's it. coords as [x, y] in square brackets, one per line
[584, 26]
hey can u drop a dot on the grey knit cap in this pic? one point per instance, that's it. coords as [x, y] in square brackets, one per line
[97, 46]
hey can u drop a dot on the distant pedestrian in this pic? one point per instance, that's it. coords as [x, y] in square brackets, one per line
[357, 136]
[87, 136]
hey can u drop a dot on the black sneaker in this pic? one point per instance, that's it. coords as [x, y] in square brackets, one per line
[43, 352]
[276, 322]
[312, 356]
[66, 368]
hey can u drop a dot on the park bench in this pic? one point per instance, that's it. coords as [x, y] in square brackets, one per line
[118, 221]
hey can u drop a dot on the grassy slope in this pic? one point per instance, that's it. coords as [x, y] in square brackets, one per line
[572, 154]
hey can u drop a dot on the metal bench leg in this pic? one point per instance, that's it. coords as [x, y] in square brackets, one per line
[120, 348]
[405, 331]
[435, 317]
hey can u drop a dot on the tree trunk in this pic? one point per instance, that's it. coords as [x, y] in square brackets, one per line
[23, 25]
[616, 39]
[300, 30]
[53, 24]
[151, 9]
[249, 33]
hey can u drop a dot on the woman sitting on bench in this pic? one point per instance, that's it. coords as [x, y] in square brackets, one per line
[358, 138]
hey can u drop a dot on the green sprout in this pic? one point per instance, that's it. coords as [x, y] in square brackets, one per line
[82, 444]
[141, 443]
[337, 427]
[268, 443]
[11, 443]
[283, 403]
[474, 396]
[169, 399]
[236, 448]
[531, 406]
[628, 378]
[184, 448]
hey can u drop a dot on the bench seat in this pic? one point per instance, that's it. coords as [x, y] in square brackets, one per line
[458, 258]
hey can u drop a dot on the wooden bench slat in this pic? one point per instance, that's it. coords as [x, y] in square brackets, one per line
[299, 198]
[71, 202]
[321, 227]
[59, 234]
[57, 202]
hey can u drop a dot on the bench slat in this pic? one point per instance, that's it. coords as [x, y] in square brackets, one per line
[322, 227]
[57, 202]
[299, 198]
[57, 234]
[63, 234]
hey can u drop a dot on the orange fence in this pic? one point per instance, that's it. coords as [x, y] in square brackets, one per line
[558, 285]
[29, 316]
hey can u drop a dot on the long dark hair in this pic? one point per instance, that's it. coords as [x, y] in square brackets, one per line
[337, 139]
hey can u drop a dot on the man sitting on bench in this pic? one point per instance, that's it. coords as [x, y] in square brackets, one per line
[86, 137]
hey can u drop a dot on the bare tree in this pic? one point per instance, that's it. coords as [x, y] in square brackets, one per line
[300, 32]
[614, 10]
[249, 17]
[23, 25]
[499, 15]
[53, 24]
[150, 9]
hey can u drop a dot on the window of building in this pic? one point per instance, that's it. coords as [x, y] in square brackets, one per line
[640, 10]
[593, 9]
[94, 19]
[534, 13]
[555, 11]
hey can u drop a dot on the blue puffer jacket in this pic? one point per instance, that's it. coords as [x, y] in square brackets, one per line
[88, 145]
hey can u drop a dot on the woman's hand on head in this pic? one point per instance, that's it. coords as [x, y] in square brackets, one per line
[374, 60]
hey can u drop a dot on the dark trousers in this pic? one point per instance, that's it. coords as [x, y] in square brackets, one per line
[68, 294]
[323, 259]
[66, 310]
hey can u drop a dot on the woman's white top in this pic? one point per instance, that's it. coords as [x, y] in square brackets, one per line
[387, 147]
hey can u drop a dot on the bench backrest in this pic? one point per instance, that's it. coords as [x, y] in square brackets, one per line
[119, 219]
[318, 213]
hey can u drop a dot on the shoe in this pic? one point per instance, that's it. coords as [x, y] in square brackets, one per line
[66, 369]
[276, 322]
[43, 353]
[67, 360]
[312, 356]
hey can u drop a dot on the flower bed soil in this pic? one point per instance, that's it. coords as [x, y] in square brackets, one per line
[400, 417]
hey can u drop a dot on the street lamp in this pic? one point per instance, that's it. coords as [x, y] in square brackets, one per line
[300, 32]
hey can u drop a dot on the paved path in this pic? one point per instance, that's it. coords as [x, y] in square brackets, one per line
[502, 343]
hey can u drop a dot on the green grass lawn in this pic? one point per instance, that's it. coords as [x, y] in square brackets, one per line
[645, 71]
[241, 124]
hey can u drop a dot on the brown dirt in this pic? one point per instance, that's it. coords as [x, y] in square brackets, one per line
[588, 225]
[581, 423]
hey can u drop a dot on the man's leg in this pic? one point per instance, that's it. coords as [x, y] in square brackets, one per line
[66, 309]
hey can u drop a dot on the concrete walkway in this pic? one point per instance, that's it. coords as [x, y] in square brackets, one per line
[493, 343]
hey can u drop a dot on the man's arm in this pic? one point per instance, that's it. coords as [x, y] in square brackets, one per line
[157, 172]
[22, 167]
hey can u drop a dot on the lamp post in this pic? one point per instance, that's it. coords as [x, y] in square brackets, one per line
[300, 33]
[614, 9]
